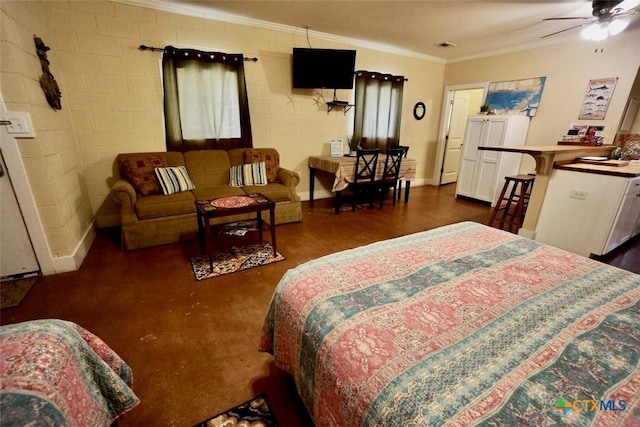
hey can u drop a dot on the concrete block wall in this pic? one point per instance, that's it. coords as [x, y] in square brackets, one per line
[112, 93]
[52, 160]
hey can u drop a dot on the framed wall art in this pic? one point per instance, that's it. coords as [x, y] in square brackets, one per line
[519, 97]
[596, 100]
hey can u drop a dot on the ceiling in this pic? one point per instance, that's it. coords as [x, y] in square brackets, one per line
[476, 28]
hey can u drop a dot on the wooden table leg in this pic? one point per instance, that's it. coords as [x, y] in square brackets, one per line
[201, 235]
[312, 181]
[272, 225]
[259, 225]
[207, 233]
[337, 201]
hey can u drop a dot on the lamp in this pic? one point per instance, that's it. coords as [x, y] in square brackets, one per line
[600, 31]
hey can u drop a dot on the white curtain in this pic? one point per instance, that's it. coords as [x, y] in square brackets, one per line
[205, 100]
[378, 108]
[208, 98]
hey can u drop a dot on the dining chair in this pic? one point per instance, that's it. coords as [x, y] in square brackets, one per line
[365, 174]
[399, 191]
[390, 174]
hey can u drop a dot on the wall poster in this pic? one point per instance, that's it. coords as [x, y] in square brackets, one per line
[596, 101]
[519, 97]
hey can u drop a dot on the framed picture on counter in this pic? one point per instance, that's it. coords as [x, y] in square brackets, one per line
[337, 148]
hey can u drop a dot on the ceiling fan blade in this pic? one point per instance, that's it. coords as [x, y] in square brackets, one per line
[568, 17]
[629, 12]
[562, 31]
[626, 5]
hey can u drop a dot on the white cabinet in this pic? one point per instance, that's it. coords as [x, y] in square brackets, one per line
[482, 173]
[627, 219]
[589, 213]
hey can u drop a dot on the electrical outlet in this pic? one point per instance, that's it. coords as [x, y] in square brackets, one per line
[579, 194]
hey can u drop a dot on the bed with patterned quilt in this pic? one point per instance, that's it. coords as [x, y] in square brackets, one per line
[56, 373]
[460, 325]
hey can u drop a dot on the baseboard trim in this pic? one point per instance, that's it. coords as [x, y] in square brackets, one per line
[74, 261]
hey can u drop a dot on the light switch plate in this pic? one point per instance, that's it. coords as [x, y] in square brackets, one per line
[20, 125]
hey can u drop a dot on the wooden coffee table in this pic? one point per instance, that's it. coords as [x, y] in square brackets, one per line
[234, 205]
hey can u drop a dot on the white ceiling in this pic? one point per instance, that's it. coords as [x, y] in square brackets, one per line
[477, 28]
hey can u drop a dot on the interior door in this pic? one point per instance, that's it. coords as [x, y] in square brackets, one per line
[17, 257]
[489, 161]
[455, 136]
[474, 136]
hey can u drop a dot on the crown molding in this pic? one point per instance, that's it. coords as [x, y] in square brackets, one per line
[208, 13]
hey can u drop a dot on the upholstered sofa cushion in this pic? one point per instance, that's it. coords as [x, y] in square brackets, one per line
[215, 191]
[208, 167]
[248, 174]
[160, 205]
[270, 157]
[174, 179]
[139, 171]
[275, 191]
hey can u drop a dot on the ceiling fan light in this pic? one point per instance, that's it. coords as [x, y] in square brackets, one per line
[595, 32]
[617, 26]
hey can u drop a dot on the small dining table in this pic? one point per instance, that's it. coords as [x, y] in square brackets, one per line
[344, 170]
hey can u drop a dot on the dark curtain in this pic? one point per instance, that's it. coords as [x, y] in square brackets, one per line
[174, 58]
[378, 109]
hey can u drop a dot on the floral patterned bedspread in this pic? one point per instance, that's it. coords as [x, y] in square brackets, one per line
[461, 325]
[55, 373]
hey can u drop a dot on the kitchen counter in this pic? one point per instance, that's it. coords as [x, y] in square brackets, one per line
[631, 170]
[589, 212]
[546, 156]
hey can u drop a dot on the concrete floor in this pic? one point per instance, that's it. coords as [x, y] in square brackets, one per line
[193, 345]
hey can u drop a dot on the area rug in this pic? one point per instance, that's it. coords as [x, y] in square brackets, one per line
[13, 291]
[253, 413]
[234, 259]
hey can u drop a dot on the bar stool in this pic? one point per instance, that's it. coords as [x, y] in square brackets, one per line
[515, 205]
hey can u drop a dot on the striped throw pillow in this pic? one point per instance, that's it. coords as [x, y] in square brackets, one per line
[174, 179]
[248, 174]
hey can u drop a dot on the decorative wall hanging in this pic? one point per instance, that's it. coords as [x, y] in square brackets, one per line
[517, 97]
[419, 111]
[47, 81]
[596, 101]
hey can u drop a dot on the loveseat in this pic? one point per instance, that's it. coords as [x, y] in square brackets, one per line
[149, 217]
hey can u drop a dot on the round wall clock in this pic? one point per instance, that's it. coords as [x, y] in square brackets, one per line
[419, 110]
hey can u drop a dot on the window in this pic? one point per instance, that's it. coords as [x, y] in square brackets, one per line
[378, 108]
[205, 100]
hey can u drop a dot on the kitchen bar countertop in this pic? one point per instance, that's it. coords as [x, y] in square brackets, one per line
[546, 157]
[631, 170]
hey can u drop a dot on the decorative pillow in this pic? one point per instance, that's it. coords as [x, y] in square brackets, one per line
[271, 161]
[139, 172]
[174, 179]
[248, 174]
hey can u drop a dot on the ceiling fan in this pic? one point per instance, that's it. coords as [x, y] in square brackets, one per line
[605, 19]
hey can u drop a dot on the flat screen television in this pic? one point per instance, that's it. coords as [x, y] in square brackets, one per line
[323, 68]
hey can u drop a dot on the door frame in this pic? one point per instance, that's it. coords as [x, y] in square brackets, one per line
[444, 120]
[464, 94]
[22, 189]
